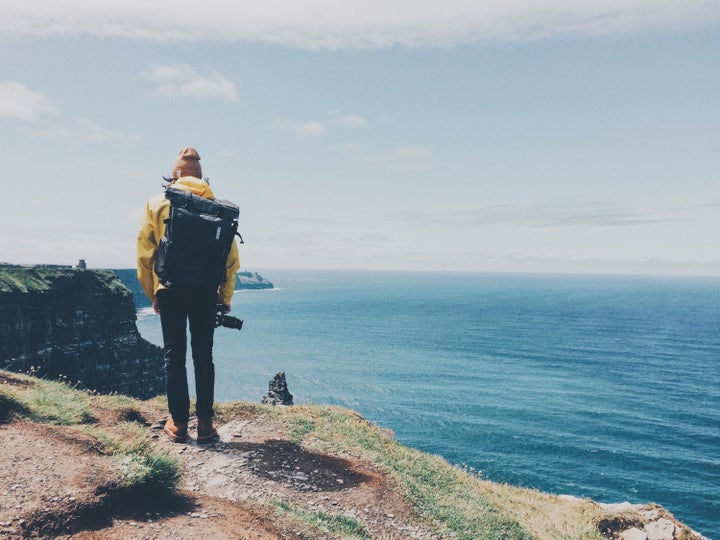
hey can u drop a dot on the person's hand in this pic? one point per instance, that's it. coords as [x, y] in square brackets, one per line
[156, 306]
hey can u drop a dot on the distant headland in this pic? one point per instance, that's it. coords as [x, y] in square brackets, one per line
[252, 280]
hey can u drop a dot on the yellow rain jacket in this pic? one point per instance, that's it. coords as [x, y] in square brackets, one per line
[153, 229]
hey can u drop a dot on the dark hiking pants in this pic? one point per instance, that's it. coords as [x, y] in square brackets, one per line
[177, 307]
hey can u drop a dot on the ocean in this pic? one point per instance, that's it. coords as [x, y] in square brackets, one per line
[605, 387]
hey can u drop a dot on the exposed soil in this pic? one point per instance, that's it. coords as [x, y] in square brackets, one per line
[50, 478]
[254, 461]
[57, 483]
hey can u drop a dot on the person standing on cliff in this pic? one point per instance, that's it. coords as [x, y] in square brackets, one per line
[178, 305]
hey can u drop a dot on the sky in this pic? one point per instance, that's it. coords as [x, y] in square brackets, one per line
[496, 136]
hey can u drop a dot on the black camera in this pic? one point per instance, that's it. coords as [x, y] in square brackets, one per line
[228, 321]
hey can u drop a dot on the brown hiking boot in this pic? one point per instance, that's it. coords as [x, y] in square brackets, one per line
[176, 431]
[206, 432]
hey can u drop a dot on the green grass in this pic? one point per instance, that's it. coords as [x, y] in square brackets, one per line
[438, 491]
[23, 279]
[40, 278]
[139, 465]
[11, 408]
[348, 527]
[50, 402]
[150, 471]
[456, 504]
[300, 428]
[113, 282]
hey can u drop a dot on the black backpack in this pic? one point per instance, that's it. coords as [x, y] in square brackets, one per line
[198, 236]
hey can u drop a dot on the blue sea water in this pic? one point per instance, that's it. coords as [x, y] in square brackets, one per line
[595, 386]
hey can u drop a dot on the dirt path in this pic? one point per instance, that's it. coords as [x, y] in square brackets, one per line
[254, 462]
[50, 477]
[253, 484]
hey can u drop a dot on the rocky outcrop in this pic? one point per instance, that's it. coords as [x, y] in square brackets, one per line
[77, 325]
[278, 393]
[251, 280]
[626, 521]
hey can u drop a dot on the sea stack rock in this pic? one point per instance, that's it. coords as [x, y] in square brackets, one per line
[278, 391]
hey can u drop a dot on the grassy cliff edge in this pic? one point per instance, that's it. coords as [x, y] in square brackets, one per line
[308, 471]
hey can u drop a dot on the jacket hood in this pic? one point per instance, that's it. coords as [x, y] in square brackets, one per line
[195, 186]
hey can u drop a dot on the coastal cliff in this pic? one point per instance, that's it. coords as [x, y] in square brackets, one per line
[78, 325]
[101, 467]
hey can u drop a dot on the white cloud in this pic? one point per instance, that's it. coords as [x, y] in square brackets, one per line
[82, 130]
[311, 128]
[18, 101]
[348, 120]
[359, 24]
[181, 80]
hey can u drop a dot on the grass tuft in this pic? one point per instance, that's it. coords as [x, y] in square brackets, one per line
[139, 465]
[11, 408]
[57, 403]
[148, 470]
[334, 523]
[51, 402]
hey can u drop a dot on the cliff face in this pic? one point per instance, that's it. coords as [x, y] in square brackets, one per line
[128, 276]
[79, 324]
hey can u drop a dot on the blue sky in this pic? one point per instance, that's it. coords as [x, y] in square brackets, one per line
[487, 136]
